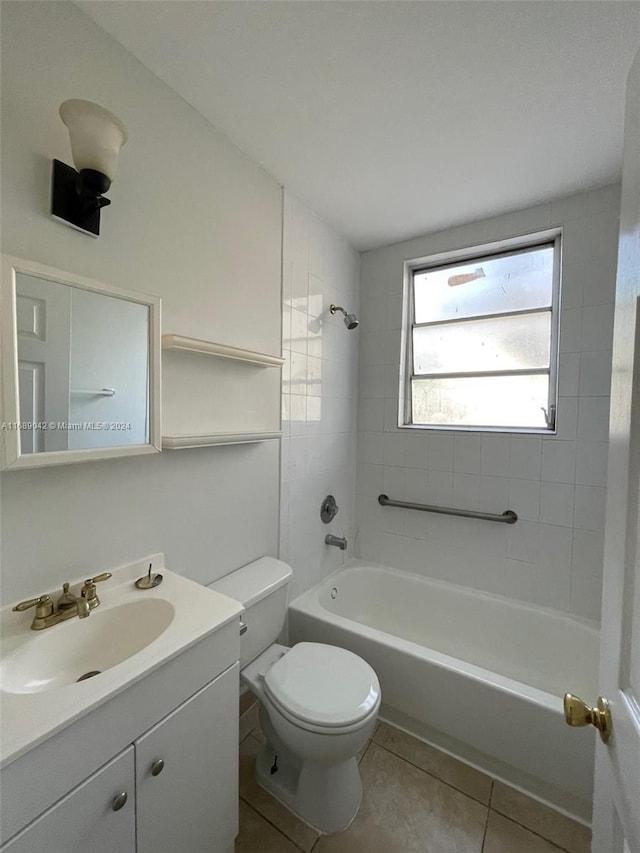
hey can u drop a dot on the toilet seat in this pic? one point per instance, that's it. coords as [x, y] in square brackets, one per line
[323, 688]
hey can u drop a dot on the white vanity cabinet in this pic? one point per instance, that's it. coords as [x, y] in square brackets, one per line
[158, 721]
[180, 779]
[187, 774]
[93, 818]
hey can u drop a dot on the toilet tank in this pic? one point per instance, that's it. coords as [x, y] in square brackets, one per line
[262, 587]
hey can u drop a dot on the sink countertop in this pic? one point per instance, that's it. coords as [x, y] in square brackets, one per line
[30, 718]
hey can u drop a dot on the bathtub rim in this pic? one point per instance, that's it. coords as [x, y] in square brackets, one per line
[471, 591]
[533, 695]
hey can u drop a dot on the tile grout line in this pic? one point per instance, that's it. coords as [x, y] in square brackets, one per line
[524, 826]
[433, 775]
[366, 750]
[278, 830]
[486, 823]
[486, 827]
[532, 831]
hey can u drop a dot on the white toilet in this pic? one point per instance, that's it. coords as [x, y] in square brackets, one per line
[318, 703]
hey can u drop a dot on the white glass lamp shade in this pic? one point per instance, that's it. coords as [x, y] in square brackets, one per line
[96, 136]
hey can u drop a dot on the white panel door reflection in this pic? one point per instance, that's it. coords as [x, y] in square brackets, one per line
[83, 367]
[43, 321]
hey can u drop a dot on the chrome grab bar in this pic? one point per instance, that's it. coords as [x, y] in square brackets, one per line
[507, 517]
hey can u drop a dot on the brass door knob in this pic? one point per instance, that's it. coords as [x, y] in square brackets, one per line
[578, 713]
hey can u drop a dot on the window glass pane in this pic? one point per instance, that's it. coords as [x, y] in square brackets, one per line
[502, 401]
[501, 343]
[503, 283]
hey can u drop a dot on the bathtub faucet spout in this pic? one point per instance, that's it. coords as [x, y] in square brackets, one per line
[336, 541]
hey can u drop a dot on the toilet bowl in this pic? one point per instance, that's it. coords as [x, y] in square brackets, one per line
[318, 708]
[318, 705]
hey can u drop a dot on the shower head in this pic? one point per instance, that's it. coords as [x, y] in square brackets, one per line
[350, 320]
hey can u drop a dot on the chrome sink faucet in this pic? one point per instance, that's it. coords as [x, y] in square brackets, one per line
[67, 605]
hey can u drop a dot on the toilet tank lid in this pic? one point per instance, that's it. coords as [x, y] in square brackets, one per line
[254, 581]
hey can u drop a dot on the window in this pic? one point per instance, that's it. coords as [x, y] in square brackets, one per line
[480, 338]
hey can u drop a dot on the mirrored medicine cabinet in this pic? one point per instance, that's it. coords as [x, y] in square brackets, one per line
[80, 368]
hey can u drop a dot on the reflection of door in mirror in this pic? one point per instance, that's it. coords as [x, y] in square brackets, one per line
[83, 367]
[109, 353]
[43, 317]
[80, 368]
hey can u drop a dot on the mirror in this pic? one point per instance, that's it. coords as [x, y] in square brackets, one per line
[81, 368]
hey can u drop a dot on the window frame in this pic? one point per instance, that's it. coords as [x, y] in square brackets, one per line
[471, 254]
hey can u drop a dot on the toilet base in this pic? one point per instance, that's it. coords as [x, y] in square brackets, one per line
[325, 797]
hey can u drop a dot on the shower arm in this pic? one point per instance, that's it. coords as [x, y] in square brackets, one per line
[350, 320]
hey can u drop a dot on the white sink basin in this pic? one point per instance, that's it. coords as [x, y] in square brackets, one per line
[62, 654]
[129, 635]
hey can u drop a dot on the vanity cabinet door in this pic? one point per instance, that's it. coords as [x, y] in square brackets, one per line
[187, 774]
[95, 817]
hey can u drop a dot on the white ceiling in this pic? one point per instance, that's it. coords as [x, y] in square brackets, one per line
[391, 119]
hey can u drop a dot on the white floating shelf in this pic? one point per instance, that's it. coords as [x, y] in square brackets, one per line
[179, 442]
[183, 344]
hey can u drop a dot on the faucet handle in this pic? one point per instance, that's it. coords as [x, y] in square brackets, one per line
[43, 604]
[25, 605]
[88, 591]
[104, 576]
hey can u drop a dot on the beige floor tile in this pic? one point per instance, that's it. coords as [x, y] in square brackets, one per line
[505, 836]
[405, 811]
[363, 751]
[248, 721]
[246, 701]
[563, 831]
[439, 764]
[301, 834]
[258, 836]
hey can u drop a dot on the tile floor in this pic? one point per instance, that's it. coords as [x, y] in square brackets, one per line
[415, 799]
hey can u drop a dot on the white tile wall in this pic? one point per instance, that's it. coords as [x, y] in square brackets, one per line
[319, 395]
[556, 484]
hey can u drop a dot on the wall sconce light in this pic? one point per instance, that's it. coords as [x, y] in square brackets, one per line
[96, 139]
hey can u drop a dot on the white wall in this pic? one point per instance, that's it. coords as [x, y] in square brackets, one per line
[109, 348]
[556, 484]
[319, 393]
[192, 220]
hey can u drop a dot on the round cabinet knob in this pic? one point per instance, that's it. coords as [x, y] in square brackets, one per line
[119, 800]
[157, 767]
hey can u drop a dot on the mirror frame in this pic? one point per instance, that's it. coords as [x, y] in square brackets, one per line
[12, 458]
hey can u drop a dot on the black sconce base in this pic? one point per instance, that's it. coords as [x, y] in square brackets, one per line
[75, 202]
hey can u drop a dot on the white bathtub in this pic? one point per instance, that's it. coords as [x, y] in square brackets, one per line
[475, 674]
